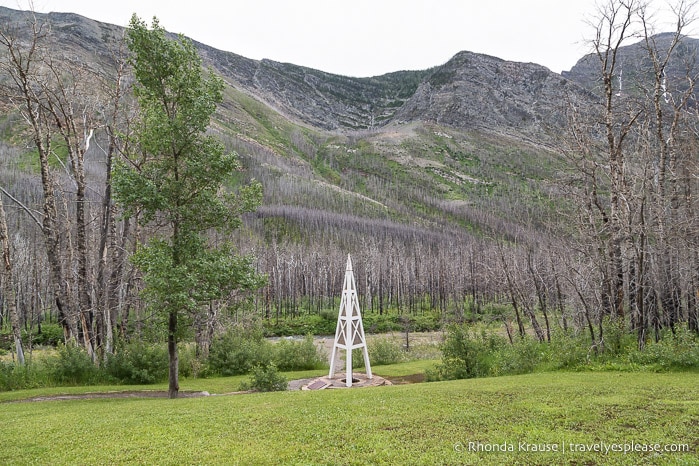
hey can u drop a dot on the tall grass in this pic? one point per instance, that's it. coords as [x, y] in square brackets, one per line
[467, 353]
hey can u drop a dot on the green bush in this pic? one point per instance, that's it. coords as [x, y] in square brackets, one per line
[617, 340]
[72, 366]
[138, 363]
[325, 323]
[315, 324]
[266, 379]
[330, 315]
[521, 357]
[190, 364]
[496, 311]
[357, 359]
[674, 351]
[6, 342]
[425, 323]
[384, 351]
[238, 351]
[33, 374]
[51, 335]
[569, 351]
[381, 323]
[465, 355]
[13, 376]
[299, 355]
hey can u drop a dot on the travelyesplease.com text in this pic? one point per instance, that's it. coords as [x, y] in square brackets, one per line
[571, 447]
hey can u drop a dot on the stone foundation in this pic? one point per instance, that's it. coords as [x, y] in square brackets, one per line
[359, 380]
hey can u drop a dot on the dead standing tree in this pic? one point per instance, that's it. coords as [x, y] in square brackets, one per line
[22, 61]
[668, 120]
[56, 96]
[629, 156]
[8, 287]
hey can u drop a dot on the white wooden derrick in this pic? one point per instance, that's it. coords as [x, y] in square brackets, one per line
[349, 333]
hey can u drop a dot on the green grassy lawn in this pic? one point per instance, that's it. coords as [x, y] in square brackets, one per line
[428, 423]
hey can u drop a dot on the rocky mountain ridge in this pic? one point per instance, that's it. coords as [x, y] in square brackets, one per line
[634, 72]
[470, 91]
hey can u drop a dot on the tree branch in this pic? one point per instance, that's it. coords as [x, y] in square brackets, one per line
[32, 213]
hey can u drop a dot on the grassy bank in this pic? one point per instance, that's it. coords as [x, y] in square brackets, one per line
[465, 422]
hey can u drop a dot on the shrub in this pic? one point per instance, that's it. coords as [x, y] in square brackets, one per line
[238, 351]
[266, 379]
[678, 351]
[381, 323]
[299, 355]
[35, 373]
[6, 342]
[384, 351]
[357, 359]
[617, 340]
[316, 324]
[13, 376]
[51, 335]
[72, 366]
[329, 315]
[569, 351]
[138, 363]
[465, 355]
[424, 323]
[191, 365]
[521, 357]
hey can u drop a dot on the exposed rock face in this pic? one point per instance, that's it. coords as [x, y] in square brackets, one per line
[470, 91]
[323, 100]
[77, 36]
[474, 91]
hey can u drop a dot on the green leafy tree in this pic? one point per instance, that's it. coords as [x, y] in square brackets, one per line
[175, 179]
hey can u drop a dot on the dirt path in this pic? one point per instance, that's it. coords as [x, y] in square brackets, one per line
[124, 394]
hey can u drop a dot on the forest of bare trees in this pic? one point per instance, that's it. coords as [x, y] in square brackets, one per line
[637, 166]
[623, 244]
[63, 230]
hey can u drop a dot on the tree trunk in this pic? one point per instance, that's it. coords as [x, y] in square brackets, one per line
[9, 287]
[173, 366]
[84, 299]
[513, 295]
[66, 312]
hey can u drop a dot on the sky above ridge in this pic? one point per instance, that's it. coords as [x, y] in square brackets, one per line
[365, 37]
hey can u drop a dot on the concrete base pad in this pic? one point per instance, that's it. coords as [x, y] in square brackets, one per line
[359, 380]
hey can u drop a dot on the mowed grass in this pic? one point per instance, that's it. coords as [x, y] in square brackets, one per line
[428, 423]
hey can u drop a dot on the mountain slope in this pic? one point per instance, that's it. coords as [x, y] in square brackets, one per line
[474, 91]
[431, 147]
[634, 70]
